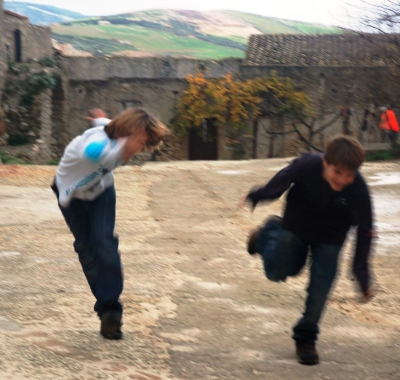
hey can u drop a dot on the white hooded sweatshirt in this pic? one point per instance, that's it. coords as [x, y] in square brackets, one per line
[85, 169]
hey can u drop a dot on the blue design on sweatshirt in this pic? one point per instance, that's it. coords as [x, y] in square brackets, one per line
[101, 171]
[94, 151]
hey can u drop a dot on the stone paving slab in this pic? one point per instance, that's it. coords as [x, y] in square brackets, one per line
[197, 306]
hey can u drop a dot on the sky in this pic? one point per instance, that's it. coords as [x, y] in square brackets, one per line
[330, 12]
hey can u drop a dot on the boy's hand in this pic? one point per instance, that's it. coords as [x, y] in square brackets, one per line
[367, 295]
[95, 113]
[242, 201]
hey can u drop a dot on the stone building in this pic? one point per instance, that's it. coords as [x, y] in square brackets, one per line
[20, 42]
[3, 68]
[116, 83]
[24, 41]
[342, 75]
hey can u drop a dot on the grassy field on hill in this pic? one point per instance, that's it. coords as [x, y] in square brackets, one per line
[201, 35]
[271, 25]
[91, 38]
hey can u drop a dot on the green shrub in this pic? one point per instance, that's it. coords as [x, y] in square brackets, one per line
[52, 162]
[10, 87]
[48, 62]
[9, 159]
[10, 64]
[380, 155]
[37, 84]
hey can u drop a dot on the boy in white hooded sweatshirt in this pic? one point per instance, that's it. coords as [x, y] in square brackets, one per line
[84, 185]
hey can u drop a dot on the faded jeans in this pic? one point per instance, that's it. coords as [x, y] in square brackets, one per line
[285, 254]
[92, 224]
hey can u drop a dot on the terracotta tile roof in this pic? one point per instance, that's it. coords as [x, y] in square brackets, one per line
[321, 50]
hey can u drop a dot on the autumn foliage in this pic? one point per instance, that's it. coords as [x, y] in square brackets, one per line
[232, 102]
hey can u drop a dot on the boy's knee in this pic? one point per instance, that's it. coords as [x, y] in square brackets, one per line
[81, 248]
[274, 275]
[272, 227]
[275, 278]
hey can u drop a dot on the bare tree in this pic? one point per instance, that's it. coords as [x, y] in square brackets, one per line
[327, 109]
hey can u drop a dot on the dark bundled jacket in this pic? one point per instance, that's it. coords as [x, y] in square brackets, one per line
[320, 215]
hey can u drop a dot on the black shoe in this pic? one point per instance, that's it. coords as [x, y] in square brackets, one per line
[307, 353]
[252, 240]
[111, 324]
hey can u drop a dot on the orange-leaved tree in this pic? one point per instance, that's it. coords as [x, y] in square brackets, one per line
[231, 102]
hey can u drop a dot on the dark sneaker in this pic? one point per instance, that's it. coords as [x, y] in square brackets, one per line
[252, 240]
[307, 353]
[111, 324]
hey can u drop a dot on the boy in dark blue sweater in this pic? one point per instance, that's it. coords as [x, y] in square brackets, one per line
[327, 196]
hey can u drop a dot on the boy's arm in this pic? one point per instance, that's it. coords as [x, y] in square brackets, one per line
[365, 234]
[277, 185]
[108, 152]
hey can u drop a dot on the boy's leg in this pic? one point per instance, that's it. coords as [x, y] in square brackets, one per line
[104, 246]
[284, 253]
[322, 273]
[77, 219]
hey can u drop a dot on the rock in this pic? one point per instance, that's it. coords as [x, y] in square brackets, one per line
[15, 69]
[22, 110]
[35, 149]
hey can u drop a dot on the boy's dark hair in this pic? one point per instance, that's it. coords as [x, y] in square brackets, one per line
[345, 152]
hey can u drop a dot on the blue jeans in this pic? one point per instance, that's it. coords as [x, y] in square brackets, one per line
[285, 254]
[92, 224]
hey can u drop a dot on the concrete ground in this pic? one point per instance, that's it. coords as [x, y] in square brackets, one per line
[197, 306]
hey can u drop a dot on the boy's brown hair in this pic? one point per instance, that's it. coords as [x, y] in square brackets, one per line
[345, 152]
[135, 120]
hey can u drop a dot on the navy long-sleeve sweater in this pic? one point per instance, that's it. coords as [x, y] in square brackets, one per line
[318, 214]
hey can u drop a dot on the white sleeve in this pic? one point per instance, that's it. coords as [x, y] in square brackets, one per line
[100, 122]
[100, 150]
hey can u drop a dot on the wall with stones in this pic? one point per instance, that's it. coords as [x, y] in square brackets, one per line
[329, 90]
[103, 69]
[116, 83]
[113, 96]
[3, 69]
[29, 108]
[156, 84]
[35, 40]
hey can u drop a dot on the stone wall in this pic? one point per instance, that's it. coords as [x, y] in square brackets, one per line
[156, 84]
[329, 89]
[116, 83]
[103, 69]
[28, 106]
[3, 69]
[35, 41]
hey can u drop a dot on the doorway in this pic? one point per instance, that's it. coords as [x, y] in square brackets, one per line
[203, 141]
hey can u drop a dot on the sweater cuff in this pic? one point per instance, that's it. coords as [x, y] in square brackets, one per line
[100, 121]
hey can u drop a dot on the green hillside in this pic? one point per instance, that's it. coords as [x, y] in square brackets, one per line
[178, 33]
[271, 25]
[137, 38]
